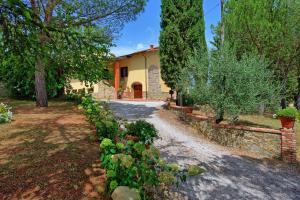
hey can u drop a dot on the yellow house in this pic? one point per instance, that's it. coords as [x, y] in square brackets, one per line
[136, 76]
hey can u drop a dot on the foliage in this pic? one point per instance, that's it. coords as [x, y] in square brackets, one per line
[231, 86]
[288, 112]
[99, 115]
[292, 86]
[52, 41]
[145, 131]
[128, 163]
[129, 168]
[76, 97]
[182, 31]
[194, 170]
[138, 169]
[187, 99]
[5, 113]
[267, 28]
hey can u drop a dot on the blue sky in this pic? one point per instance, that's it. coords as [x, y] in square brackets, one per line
[144, 31]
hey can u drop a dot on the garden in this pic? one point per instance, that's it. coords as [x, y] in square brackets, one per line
[55, 144]
[59, 138]
[128, 156]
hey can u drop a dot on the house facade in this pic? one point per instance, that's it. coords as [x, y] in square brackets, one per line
[136, 76]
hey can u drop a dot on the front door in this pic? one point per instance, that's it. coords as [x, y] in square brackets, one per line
[138, 91]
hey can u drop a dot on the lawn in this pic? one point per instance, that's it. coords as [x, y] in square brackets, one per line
[48, 154]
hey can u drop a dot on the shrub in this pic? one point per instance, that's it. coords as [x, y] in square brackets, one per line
[288, 112]
[194, 170]
[75, 97]
[5, 113]
[128, 163]
[99, 115]
[144, 130]
[187, 99]
[133, 165]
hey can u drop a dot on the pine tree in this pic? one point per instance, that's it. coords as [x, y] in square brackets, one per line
[182, 32]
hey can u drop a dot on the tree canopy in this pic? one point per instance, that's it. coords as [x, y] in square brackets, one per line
[45, 43]
[182, 31]
[267, 28]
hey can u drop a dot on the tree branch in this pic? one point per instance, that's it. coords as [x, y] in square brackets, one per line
[95, 18]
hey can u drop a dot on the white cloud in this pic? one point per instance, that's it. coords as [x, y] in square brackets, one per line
[140, 46]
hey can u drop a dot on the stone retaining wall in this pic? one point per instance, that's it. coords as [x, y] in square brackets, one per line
[268, 143]
[265, 142]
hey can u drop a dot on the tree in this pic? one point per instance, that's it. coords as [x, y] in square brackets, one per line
[182, 31]
[73, 34]
[297, 99]
[267, 28]
[231, 86]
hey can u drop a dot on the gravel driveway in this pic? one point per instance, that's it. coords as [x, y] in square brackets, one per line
[227, 176]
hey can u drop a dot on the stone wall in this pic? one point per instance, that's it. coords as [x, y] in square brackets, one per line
[265, 142]
[268, 143]
[154, 84]
[105, 91]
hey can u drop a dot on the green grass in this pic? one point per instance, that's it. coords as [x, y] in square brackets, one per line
[268, 122]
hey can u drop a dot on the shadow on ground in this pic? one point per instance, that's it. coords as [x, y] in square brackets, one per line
[131, 111]
[234, 177]
[46, 154]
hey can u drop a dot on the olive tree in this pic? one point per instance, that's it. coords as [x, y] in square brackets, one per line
[230, 86]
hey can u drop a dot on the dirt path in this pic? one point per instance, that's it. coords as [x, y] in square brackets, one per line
[228, 175]
[46, 154]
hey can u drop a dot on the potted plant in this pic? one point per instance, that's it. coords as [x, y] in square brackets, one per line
[287, 117]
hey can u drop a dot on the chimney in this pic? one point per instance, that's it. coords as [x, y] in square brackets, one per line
[151, 47]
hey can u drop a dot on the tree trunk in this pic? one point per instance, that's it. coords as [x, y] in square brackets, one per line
[40, 84]
[298, 96]
[262, 108]
[40, 81]
[220, 115]
[283, 103]
[222, 22]
[60, 74]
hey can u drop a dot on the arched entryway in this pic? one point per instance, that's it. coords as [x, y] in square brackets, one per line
[137, 90]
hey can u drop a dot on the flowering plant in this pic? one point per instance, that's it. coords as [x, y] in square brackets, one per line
[5, 113]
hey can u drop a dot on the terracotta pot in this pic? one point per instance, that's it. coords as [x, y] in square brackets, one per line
[132, 138]
[287, 122]
[148, 146]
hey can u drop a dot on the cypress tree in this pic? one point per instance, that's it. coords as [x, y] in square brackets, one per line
[182, 32]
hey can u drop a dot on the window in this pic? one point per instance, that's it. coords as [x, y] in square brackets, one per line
[124, 72]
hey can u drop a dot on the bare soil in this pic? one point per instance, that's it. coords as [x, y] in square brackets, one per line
[48, 154]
